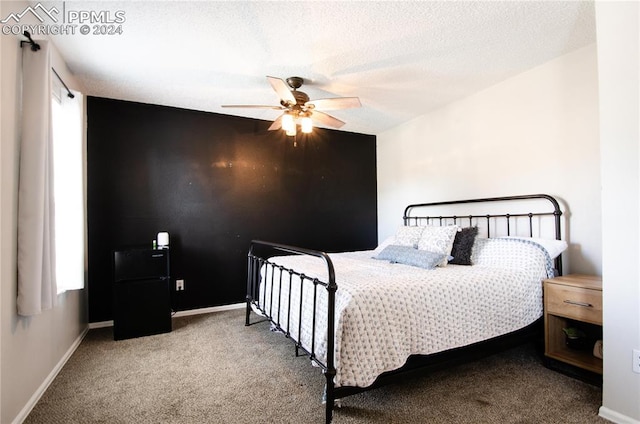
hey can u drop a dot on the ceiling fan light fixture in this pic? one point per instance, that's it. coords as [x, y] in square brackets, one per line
[306, 125]
[291, 132]
[298, 109]
[288, 123]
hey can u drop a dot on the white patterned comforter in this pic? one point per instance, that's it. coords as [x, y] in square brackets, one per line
[386, 312]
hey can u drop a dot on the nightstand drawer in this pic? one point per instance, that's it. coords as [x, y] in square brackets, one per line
[574, 303]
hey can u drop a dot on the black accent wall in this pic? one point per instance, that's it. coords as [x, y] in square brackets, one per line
[215, 182]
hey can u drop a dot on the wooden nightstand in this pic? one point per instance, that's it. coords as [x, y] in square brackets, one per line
[573, 301]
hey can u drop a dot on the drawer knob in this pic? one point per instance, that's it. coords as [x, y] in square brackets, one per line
[573, 302]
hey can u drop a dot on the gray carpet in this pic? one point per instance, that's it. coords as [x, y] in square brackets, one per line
[212, 369]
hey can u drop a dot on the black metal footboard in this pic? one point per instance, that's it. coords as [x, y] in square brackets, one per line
[266, 277]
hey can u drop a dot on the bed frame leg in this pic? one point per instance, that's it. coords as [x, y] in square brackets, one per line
[247, 320]
[329, 397]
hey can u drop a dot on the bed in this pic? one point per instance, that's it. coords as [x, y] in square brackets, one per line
[444, 288]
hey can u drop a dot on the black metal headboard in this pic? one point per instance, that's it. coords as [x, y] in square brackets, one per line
[491, 221]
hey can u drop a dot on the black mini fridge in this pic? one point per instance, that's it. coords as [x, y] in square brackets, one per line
[141, 296]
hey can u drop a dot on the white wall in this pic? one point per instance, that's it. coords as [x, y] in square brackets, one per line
[2, 215]
[30, 348]
[534, 133]
[618, 67]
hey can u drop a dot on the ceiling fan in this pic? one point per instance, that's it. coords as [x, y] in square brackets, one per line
[297, 108]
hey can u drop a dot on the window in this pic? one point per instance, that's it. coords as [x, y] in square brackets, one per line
[68, 187]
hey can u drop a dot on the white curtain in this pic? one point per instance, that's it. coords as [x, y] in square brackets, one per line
[36, 215]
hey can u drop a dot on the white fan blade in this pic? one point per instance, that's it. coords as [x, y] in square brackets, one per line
[334, 103]
[277, 124]
[327, 120]
[282, 89]
[255, 106]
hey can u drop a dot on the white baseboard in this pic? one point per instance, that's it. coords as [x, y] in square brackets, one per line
[616, 417]
[101, 324]
[178, 314]
[210, 310]
[47, 382]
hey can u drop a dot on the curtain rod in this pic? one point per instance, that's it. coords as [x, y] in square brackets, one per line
[35, 47]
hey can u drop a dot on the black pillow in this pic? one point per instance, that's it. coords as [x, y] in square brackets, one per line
[463, 245]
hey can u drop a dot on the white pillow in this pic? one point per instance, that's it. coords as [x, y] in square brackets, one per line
[553, 247]
[408, 235]
[438, 239]
[511, 253]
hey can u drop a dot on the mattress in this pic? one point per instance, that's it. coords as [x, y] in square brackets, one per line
[386, 312]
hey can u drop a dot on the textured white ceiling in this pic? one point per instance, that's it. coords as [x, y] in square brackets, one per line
[402, 59]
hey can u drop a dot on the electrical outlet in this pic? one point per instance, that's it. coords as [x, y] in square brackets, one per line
[636, 360]
[179, 285]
